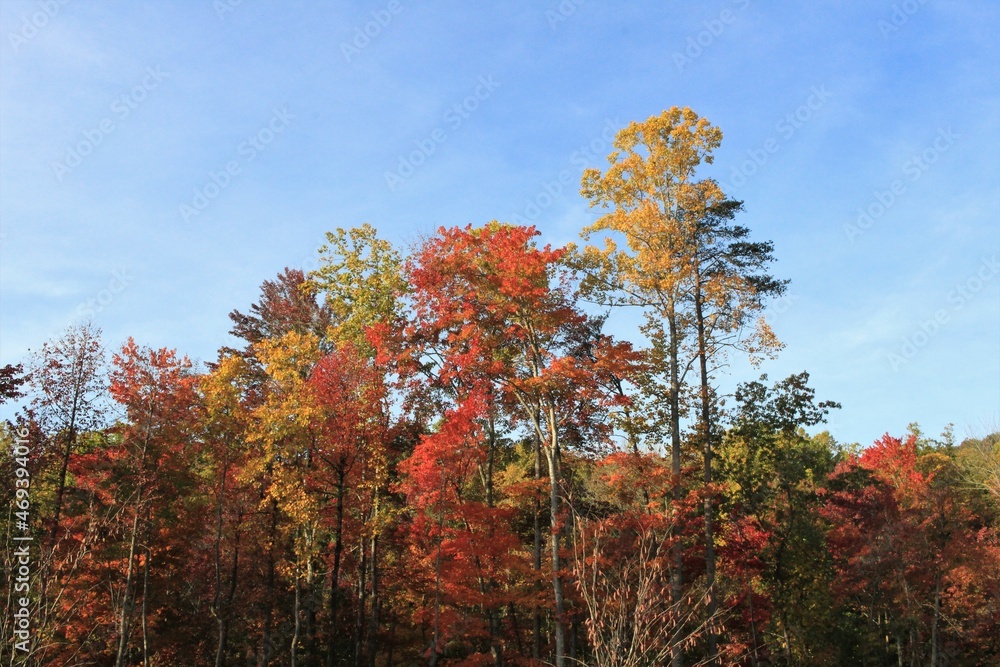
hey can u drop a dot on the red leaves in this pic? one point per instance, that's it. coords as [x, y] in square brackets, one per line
[451, 472]
[494, 315]
[901, 534]
[351, 392]
[445, 459]
[495, 337]
[466, 555]
[146, 380]
[480, 292]
[497, 266]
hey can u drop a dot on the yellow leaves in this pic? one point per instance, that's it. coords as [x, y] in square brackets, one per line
[280, 426]
[360, 276]
[762, 343]
[287, 488]
[652, 159]
[221, 389]
[515, 487]
[288, 408]
[289, 358]
[653, 201]
[979, 461]
[934, 464]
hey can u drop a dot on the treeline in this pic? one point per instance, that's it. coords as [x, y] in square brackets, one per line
[443, 457]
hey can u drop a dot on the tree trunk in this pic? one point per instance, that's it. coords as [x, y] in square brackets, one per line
[434, 651]
[552, 454]
[57, 510]
[125, 619]
[67, 452]
[517, 631]
[935, 625]
[338, 549]
[359, 622]
[220, 654]
[706, 434]
[265, 652]
[221, 616]
[61, 489]
[536, 650]
[145, 608]
[677, 550]
[373, 605]
[296, 617]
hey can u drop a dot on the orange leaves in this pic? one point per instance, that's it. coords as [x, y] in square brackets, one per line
[634, 480]
[489, 315]
[495, 269]
[893, 460]
[143, 376]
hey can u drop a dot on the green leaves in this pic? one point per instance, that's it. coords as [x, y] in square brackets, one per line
[360, 279]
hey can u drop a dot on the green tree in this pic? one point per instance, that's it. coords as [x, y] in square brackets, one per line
[360, 278]
[774, 472]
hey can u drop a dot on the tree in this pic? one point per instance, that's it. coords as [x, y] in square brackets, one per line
[912, 558]
[352, 458]
[231, 497]
[66, 382]
[281, 430]
[693, 272]
[493, 318]
[774, 476]
[467, 556]
[361, 280]
[11, 379]
[622, 565]
[645, 189]
[980, 462]
[156, 389]
[286, 304]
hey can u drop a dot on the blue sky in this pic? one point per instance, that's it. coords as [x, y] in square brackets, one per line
[159, 160]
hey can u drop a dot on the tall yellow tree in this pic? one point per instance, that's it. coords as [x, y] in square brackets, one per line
[695, 275]
[650, 181]
[281, 428]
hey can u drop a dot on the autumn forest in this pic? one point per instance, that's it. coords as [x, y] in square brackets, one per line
[442, 455]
